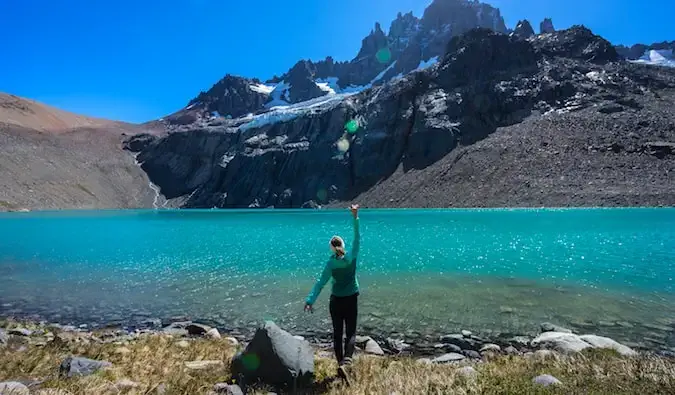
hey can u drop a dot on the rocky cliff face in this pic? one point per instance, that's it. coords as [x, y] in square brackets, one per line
[523, 29]
[636, 51]
[340, 147]
[546, 26]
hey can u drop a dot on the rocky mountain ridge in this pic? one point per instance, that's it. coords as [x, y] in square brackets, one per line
[335, 148]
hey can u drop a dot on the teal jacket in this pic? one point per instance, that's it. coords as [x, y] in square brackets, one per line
[342, 270]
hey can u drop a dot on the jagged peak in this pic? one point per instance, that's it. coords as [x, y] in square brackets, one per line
[546, 26]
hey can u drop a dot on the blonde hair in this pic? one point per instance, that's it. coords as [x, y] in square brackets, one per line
[337, 245]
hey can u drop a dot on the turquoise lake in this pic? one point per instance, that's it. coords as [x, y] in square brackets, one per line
[603, 271]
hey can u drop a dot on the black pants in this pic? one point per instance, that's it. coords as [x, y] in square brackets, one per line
[343, 311]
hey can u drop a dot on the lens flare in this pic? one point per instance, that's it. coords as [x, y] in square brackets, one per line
[251, 361]
[322, 195]
[343, 145]
[352, 126]
[383, 55]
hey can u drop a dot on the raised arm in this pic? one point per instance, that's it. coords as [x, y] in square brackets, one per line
[318, 286]
[356, 245]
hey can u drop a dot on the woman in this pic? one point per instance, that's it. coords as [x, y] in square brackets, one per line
[341, 266]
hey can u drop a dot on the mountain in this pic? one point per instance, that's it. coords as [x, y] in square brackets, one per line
[411, 43]
[53, 159]
[659, 54]
[557, 119]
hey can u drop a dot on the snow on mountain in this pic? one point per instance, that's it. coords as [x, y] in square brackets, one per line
[262, 88]
[658, 57]
[280, 95]
[328, 85]
[428, 63]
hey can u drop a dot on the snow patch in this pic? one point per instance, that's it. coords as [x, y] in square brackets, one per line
[661, 57]
[262, 88]
[381, 75]
[328, 86]
[280, 95]
[426, 64]
[290, 112]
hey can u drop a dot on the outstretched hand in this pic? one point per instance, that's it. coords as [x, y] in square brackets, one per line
[309, 308]
[355, 210]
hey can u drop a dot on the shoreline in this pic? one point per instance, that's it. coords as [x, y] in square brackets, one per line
[409, 343]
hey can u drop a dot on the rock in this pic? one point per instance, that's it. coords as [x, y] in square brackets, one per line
[13, 388]
[453, 348]
[471, 354]
[523, 29]
[126, 385]
[548, 327]
[275, 358]
[564, 342]
[213, 333]
[460, 341]
[79, 366]
[546, 380]
[605, 342]
[233, 341]
[197, 329]
[183, 344]
[3, 337]
[177, 332]
[424, 361]
[449, 357]
[373, 348]
[510, 350]
[490, 347]
[546, 26]
[161, 389]
[20, 332]
[520, 341]
[466, 333]
[468, 372]
[396, 345]
[610, 108]
[659, 149]
[205, 365]
[229, 389]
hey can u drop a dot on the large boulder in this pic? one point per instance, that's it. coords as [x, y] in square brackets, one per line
[275, 358]
[564, 342]
[607, 343]
[79, 366]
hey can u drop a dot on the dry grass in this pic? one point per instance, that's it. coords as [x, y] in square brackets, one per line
[156, 360]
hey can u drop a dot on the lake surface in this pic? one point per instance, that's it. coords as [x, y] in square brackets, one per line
[422, 272]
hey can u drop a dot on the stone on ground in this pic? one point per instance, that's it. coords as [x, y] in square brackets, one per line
[213, 333]
[233, 341]
[229, 389]
[546, 380]
[449, 357]
[126, 385]
[490, 347]
[275, 358]
[373, 348]
[466, 333]
[3, 337]
[13, 388]
[564, 342]
[605, 342]
[20, 332]
[204, 365]
[471, 354]
[197, 329]
[79, 366]
[467, 372]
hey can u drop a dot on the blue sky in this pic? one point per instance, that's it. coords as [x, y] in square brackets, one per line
[139, 60]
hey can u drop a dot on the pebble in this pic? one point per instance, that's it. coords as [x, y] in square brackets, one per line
[204, 365]
[229, 389]
[466, 333]
[510, 350]
[546, 380]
